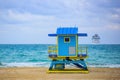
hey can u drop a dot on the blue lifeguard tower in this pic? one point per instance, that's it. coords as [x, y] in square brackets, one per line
[67, 51]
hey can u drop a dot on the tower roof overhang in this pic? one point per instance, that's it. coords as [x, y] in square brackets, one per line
[67, 31]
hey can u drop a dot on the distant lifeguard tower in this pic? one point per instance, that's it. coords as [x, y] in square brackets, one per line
[96, 39]
[67, 51]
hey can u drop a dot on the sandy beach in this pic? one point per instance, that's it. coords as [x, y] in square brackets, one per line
[41, 74]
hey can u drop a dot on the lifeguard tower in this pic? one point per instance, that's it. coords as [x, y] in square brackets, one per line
[67, 51]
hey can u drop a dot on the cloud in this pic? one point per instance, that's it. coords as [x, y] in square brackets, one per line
[16, 16]
[115, 16]
[113, 26]
[38, 17]
[78, 12]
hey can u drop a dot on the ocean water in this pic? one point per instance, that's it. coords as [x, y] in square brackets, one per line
[35, 55]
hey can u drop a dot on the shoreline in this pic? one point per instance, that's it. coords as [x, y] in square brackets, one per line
[40, 73]
[47, 64]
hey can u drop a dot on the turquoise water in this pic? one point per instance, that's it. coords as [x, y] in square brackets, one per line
[35, 55]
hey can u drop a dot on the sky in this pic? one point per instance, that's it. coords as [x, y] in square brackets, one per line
[30, 21]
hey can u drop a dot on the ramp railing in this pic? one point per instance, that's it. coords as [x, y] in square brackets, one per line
[82, 51]
[52, 51]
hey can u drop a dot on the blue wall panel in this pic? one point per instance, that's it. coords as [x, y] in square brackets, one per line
[63, 48]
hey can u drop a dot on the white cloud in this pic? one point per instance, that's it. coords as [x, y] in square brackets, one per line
[113, 26]
[115, 16]
[76, 3]
[14, 16]
[37, 18]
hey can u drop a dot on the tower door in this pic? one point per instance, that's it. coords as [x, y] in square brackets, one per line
[72, 50]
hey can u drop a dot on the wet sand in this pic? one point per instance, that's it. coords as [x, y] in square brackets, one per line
[28, 73]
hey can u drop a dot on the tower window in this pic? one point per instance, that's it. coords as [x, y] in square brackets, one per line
[66, 39]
